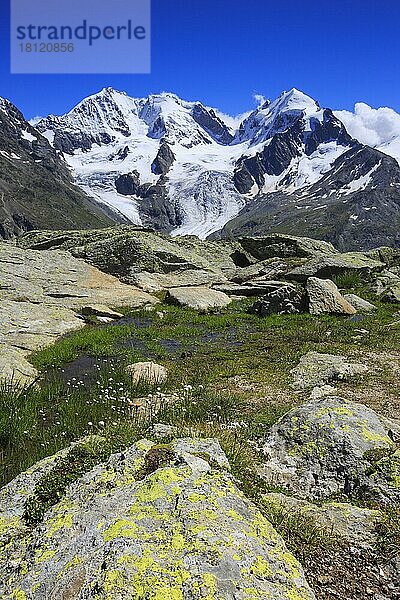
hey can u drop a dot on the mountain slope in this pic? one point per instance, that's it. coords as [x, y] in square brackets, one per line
[36, 188]
[356, 204]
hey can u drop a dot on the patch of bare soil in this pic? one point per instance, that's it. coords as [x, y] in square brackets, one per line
[348, 573]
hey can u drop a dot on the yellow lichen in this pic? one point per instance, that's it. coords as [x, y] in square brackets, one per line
[46, 555]
[261, 567]
[123, 528]
[113, 580]
[58, 523]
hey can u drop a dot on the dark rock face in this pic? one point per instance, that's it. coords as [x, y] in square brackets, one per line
[273, 160]
[286, 299]
[157, 209]
[355, 213]
[128, 184]
[208, 120]
[163, 161]
[290, 140]
[330, 129]
[36, 188]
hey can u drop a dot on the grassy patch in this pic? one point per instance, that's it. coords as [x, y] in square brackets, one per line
[301, 532]
[388, 531]
[230, 371]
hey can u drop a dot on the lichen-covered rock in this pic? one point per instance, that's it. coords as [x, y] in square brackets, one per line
[285, 299]
[361, 305]
[199, 298]
[324, 297]
[329, 446]
[355, 525]
[126, 251]
[178, 531]
[316, 369]
[334, 264]
[285, 246]
[157, 282]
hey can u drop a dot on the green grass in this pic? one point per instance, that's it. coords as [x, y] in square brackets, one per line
[301, 532]
[216, 352]
[348, 280]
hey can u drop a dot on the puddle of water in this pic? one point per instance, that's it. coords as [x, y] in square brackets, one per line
[357, 318]
[172, 346]
[85, 368]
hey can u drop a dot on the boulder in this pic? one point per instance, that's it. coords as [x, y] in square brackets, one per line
[361, 305]
[335, 264]
[392, 294]
[389, 256]
[329, 447]
[147, 372]
[324, 297]
[315, 369]
[286, 299]
[285, 246]
[352, 524]
[156, 522]
[200, 298]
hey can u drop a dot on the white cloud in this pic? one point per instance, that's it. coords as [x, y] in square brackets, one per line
[376, 127]
[259, 98]
[371, 126]
[231, 121]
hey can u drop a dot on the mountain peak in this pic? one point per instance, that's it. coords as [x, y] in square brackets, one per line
[295, 99]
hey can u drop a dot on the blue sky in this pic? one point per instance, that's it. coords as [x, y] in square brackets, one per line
[222, 52]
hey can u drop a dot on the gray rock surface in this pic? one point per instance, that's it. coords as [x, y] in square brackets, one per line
[335, 264]
[157, 282]
[148, 372]
[361, 305]
[182, 531]
[316, 369]
[324, 297]
[42, 294]
[286, 299]
[126, 251]
[355, 525]
[285, 246]
[200, 298]
[330, 446]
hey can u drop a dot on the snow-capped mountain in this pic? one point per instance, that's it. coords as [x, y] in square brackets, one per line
[184, 168]
[180, 167]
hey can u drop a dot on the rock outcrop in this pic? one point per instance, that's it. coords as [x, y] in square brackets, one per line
[199, 298]
[316, 369]
[154, 522]
[333, 447]
[42, 297]
[286, 299]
